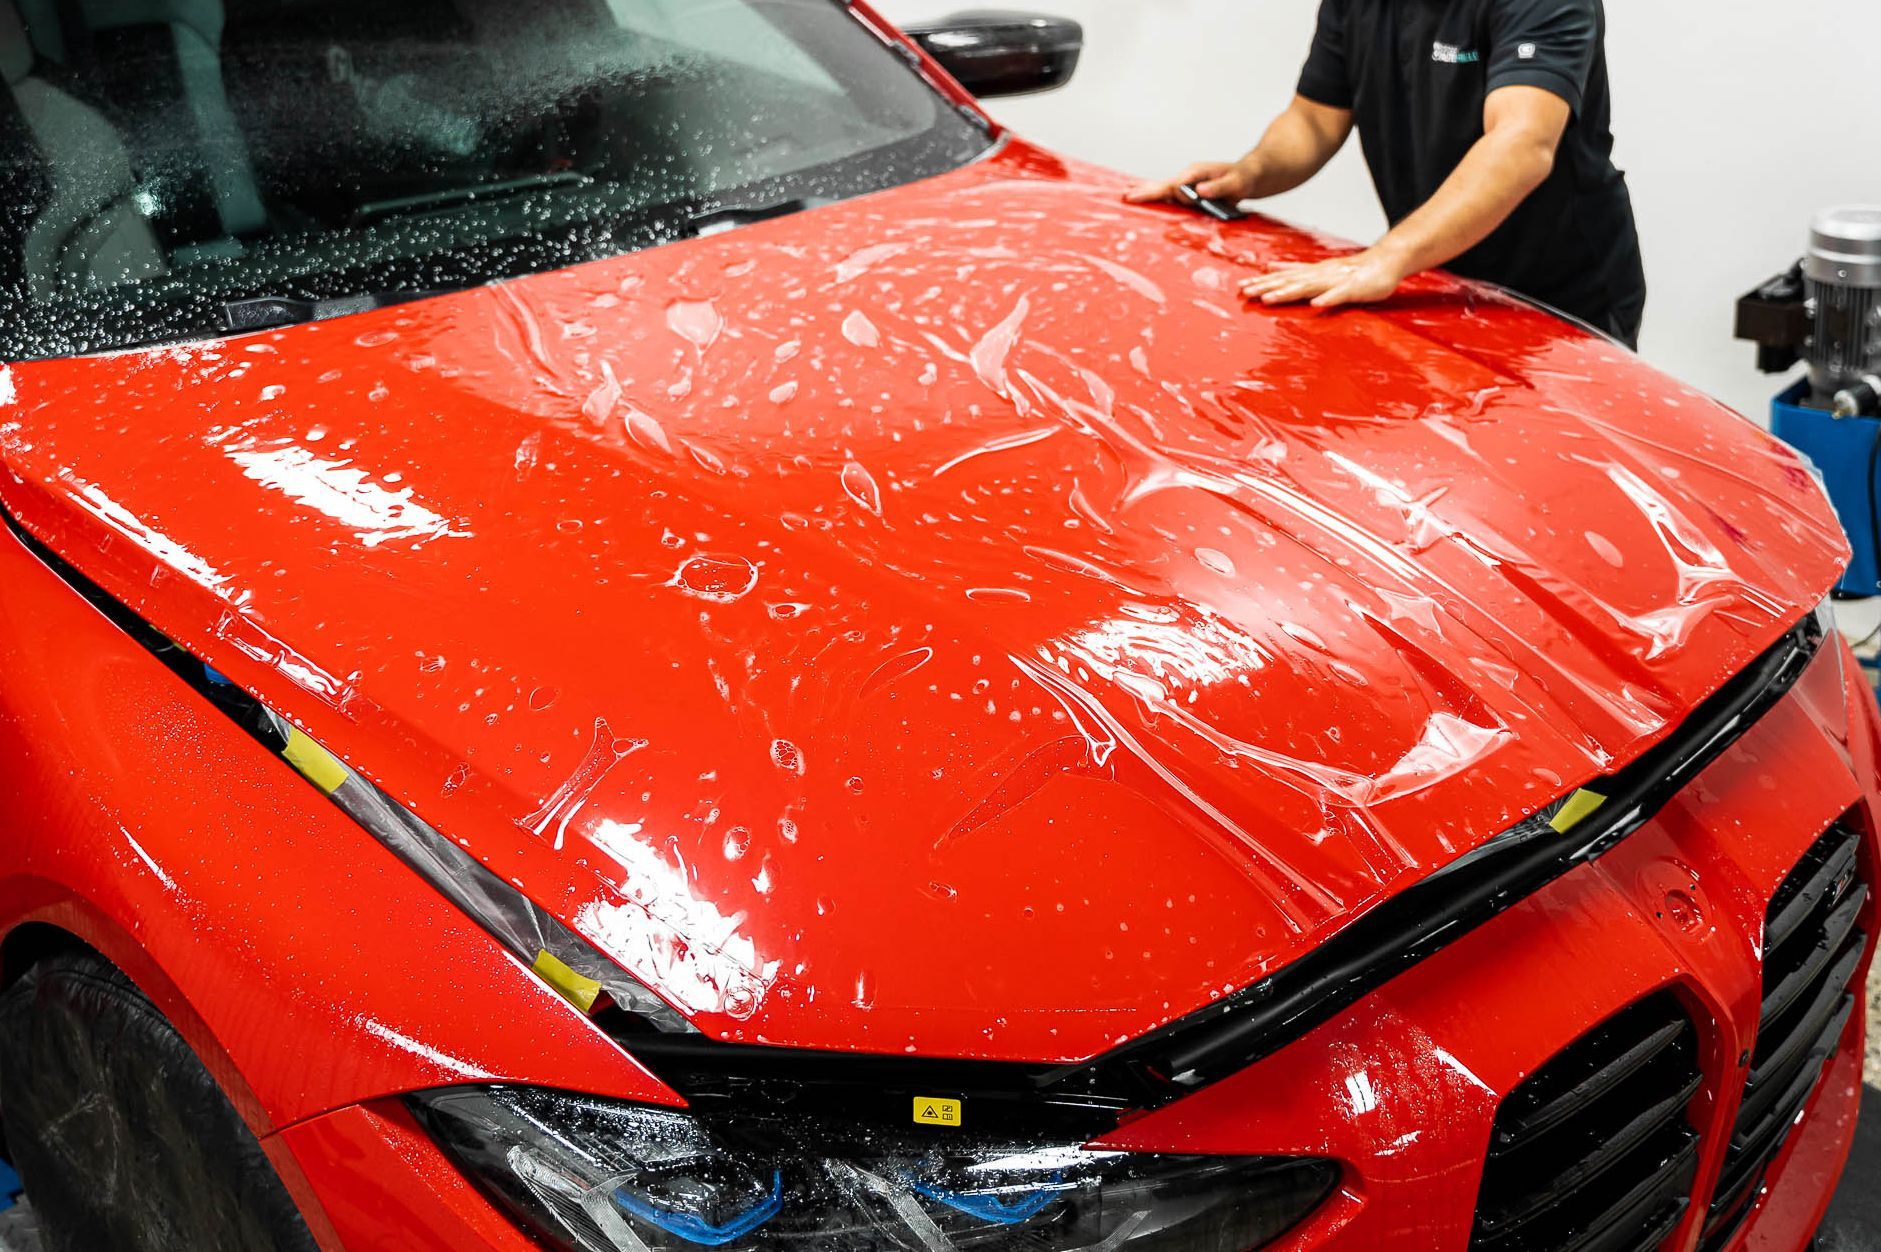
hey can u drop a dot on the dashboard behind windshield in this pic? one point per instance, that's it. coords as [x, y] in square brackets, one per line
[167, 167]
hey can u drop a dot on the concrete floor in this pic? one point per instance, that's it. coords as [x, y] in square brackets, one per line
[17, 1233]
[1874, 1031]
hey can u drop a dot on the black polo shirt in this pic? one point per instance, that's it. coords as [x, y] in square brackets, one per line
[1416, 73]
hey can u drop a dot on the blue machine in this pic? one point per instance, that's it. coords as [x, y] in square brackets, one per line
[1845, 450]
[1826, 312]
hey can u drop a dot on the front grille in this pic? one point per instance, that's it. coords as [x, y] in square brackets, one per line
[1594, 1152]
[1813, 942]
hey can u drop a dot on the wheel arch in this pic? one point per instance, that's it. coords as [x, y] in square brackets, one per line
[73, 926]
[29, 943]
[46, 918]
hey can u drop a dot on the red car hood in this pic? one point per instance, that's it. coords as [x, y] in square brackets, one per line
[990, 641]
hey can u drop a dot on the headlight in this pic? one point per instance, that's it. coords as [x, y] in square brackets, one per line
[595, 1175]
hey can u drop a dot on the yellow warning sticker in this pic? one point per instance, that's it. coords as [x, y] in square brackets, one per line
[315, 763]
[934, 1111]
[572, 987]
[1580, 806]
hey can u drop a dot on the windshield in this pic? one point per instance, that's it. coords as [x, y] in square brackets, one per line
[175, 169]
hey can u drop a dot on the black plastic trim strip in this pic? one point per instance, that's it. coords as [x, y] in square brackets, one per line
[1664, 1194]
[1839, 862]
[1513, 1133]
[1658, 1120]
[1722, 1227]
[1659, 1231]
[1836, 929]
[1811, 1045]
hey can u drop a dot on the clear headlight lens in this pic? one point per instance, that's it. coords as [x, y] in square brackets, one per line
[595, 1175]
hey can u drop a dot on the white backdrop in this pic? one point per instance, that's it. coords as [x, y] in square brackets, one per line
[1736, 121]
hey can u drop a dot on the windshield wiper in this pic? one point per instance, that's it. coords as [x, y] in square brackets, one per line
[446, 198]
[270, 312]
[718, 218]
[697, 216]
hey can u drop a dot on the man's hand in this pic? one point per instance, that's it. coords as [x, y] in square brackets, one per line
[1296, 147]
[1363, 278]
[1216, 180]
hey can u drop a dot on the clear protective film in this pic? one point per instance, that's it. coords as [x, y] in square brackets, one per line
[551, 950]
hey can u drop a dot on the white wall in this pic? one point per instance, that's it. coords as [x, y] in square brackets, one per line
[1736, 121]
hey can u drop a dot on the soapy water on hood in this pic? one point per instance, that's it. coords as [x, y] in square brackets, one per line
[1150, 532]
[1207, 651]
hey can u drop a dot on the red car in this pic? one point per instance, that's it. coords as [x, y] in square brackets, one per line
[626, 628]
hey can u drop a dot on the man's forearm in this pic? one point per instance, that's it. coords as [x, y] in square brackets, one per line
[1497, 175]
[1522, 129]
[1295, 148]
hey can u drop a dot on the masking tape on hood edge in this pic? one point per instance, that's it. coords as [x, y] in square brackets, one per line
[315, 763]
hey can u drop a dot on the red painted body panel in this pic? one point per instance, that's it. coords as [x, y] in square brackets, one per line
[1005, 580]
[384, 1185]
[1402, 1088]
[307, 966]
[1803, 1180]
[946, 622]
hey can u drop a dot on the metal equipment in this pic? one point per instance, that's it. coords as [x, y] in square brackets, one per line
[1826, 311]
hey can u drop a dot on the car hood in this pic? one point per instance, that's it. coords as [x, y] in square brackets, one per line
[946, 622]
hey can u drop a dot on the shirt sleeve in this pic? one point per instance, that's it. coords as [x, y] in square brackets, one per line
[1327, 78]
[1549, 44]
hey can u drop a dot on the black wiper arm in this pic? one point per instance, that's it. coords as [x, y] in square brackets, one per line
[688, 218]
[716, 218]
[270, 312]
[445, 198]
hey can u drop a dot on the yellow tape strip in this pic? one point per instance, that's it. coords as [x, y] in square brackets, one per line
[572, 987]
[315, 763]
[1580, 806]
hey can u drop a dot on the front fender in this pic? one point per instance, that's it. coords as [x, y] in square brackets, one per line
[308, 967]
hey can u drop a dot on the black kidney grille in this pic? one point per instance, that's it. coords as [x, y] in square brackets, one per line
[1813, 940]
[1594, 1152]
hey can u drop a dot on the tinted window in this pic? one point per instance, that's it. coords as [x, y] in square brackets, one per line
[171, 169]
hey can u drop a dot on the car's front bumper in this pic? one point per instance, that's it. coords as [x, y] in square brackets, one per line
[1404, 1086]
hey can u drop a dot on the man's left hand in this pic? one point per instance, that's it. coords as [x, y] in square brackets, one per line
[1363, 278]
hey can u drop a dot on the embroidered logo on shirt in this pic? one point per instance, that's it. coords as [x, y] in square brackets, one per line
[1449, 54]
[1527, 52]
